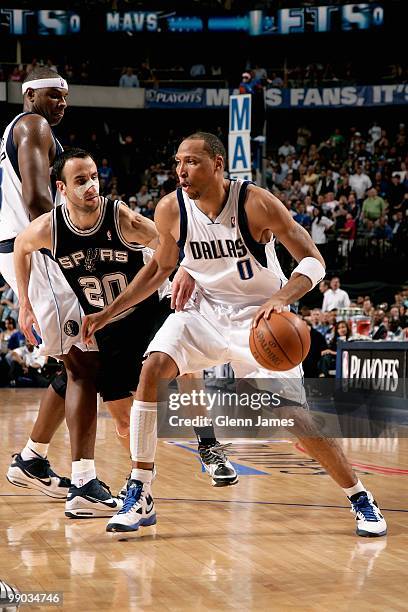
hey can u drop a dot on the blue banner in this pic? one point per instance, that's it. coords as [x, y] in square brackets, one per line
[299, 97]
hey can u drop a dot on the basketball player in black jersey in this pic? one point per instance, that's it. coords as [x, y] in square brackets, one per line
[31, 148]
[98, 245]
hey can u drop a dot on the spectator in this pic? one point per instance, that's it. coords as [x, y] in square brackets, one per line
[143, 196]
[286, 149]
[360, 182]
[128, 78]
[367, 307]
[373, 206]
[348, 235]
[324, 285]
[27, 363]
[328, 361]
[6, 333]
[10, 302]
[133, 204]
[335, 297]
[317, 346]
[320, 226]
[197, 71]
[105, 173]
[395, 193]
[301, 215]
[382, 231]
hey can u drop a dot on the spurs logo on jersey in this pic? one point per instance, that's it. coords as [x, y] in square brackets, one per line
[228, 265]
[89, 258]
[13, 212]
[98, 263]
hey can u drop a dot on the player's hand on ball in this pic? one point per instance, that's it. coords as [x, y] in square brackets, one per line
[273, 305]
[91, 324]
[182, 288]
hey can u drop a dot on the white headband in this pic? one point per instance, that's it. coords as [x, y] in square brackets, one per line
[57, 82]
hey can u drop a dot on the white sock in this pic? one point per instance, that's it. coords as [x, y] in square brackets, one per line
[33, 449]
[82, 472]
[143, 431]
[358, 488]
[144, 476]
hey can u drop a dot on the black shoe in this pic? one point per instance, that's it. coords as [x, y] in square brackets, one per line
[92, 500]
[37, 474]
[217, 465]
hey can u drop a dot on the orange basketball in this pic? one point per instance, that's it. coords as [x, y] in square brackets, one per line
[281, 342]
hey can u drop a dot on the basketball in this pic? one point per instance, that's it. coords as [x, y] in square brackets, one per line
[281, 342]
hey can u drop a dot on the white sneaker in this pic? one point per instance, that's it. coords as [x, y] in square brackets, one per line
[138, 509]
[92, 500]
[370, 521]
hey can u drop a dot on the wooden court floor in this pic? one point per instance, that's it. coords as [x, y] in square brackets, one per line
[282, 539]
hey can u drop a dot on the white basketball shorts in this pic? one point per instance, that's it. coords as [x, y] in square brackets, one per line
[203, 336]
[55, 305]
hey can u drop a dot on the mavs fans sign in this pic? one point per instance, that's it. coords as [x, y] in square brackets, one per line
[239, 137]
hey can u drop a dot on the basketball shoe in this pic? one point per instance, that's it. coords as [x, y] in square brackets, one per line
[37, 474]
[138, 509]
[217, 465]
[91, 500]
[370, 521]
[123, 490]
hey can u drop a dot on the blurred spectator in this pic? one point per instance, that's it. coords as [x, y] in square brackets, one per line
[320, 226]
[335, 297]
[105, 172]
[6, 333]
[197, 71]
[395, 193]
[26, 365]
[373, 206]
[133, 204]
[317, 346]
[360, 182]
[382, 231]
[128, 78]
[17, 75]
[328, 361]
[9, 301]
[348, 235]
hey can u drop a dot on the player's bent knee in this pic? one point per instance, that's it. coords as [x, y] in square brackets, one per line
[156, 366]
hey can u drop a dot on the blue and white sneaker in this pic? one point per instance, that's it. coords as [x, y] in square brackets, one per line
[138, 509]
[92, 500]
[370, 521]
[37, 474]
[123, 491]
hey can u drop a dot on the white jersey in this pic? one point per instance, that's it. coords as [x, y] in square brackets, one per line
[228, 265]
[55, 305]
[14, 215]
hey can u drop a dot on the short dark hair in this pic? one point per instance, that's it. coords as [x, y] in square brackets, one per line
[61, 160]
[12, 321]
[41, 73]
[212, 144]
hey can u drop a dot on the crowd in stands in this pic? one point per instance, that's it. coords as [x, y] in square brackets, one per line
[340, 318]
[215, 74]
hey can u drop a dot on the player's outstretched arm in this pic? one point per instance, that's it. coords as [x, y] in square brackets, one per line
[265, 212]
[36, 236]
[149, 278]
[35, 143]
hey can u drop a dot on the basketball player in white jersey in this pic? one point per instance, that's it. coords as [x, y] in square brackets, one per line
[28, 150]
[224, 230]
